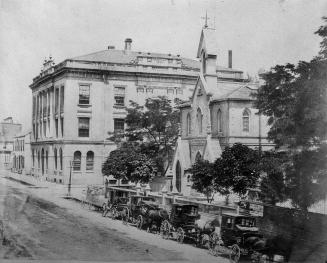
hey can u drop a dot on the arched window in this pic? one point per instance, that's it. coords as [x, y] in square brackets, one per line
[60, 158]
[33, 157]
[219, 121]
[46, 160]
[77, 161]
[198, 157]
[178, 177]
[89, 161]
[55, 158]
[38, 160]
[199, 120]
[246, 120]
[188, 124]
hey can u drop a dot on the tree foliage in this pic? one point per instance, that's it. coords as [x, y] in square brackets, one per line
[294, 97]
[129, 163]
[237, 169]
[155, 126]
[203, 173]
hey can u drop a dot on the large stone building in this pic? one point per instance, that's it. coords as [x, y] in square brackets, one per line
[78, 101]
[8, 129]
[219, 113]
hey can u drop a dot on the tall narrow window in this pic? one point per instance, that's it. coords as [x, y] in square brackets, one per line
[119, 125]
[188, 124]
[89, 161]
[60, 159]
[33, 156]
[62, 95]
[246, 120]
[83, 127]
[56, 100]
[84, 94]
[38, 160]
[119, 96]
[219, 121]
[199, 120]
[56, 123]
[46, 160]
[55, 158]
[62, 126]
[77, 161]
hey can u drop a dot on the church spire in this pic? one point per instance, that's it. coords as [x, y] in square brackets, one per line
[206, 18]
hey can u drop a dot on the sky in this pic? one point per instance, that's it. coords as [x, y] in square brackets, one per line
[261, 33]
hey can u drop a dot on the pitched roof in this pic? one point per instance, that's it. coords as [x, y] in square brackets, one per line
[208, 40]
[130, 57]
[237, 91]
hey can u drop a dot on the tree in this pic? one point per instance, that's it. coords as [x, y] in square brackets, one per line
[294, 97]
[272, 183]
[203, 173]
[128, 163]
[155, 126]
[237, 169]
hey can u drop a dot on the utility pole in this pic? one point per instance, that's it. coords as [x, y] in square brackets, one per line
[70, 178]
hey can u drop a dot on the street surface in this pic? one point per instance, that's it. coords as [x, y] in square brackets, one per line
[40, 225]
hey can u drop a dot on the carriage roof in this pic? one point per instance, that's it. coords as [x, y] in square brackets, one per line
[238, 215]
[185, 205]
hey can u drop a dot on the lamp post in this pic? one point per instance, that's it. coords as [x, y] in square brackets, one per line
[70, 178]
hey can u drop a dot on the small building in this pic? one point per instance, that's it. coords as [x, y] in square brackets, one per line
[22, 155]
[219, 113]
[8, 129]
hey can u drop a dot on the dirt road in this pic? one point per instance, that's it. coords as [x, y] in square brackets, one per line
[37, 228]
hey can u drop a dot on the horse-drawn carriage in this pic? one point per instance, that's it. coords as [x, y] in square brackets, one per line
[181, 223]
[239, 236]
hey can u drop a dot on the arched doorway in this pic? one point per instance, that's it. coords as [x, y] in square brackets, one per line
[42, 161]
[178, 177]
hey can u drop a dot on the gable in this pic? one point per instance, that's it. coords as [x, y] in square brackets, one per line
[208, 42]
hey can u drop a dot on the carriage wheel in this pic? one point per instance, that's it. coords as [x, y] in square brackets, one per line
[165, 229]
[125, 216]
[139, 222]
[180, 235]
[235, 254]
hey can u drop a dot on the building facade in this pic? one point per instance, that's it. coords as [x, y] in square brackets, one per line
[8, 129]
[21, 155]
[219, 114]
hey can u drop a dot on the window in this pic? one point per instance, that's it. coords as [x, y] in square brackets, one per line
[89, 161]
[119, 100]
[84, 94]
[219, 123]
[56, 123]
[149, 90]
[56, 100]
[38, 160]
[77, 161]
[170, 61]
[246, 120]
[179, 91]
[149, 59]
[198, 157]
[188, 124]
[60, 158]
[33, 156]
[55, 158]
[62, 126]
[62, 89]
[170, 91]
[46, 160]
[119, 125]
[140, 90]
[199, 120]
[83, 127]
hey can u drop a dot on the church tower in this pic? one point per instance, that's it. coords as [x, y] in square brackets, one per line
[207, 53]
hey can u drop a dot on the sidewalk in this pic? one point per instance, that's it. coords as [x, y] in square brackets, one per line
[58, 190]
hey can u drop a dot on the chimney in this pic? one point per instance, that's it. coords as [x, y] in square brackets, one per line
[230, 59]
[111, 47]
[128, 43]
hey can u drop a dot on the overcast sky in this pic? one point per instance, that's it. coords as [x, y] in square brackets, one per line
[261, 33]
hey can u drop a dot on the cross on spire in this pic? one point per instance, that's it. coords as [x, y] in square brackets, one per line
[206, 18]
